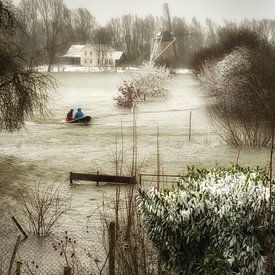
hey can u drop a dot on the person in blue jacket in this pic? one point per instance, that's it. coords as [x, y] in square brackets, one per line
[78, 114]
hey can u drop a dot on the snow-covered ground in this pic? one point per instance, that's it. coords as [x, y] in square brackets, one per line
[72, 68]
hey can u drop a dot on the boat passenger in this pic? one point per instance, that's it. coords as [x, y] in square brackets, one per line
[70, 115]
[78, 114]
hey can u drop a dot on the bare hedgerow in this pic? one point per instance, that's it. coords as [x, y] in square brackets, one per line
[42, 207]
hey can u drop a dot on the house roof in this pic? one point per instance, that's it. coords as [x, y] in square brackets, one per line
[74, 51]
[116, 55]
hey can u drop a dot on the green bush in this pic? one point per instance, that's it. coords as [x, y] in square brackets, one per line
[213, 222]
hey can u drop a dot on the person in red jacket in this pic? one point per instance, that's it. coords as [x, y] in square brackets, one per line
[70, 115]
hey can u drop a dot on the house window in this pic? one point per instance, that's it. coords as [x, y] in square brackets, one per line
[90, 52]
[85, 60]
[91, 61]
[85, 53]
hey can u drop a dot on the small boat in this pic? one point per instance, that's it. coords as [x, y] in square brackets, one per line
[82, 120]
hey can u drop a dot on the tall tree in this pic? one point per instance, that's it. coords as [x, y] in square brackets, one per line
[126, 27]
[181, 32]
[28, 17]
[83, 23]
[52, 13]
[23, 90]
[196, 40]
[114, 27]
[211, 36]
[102, 39]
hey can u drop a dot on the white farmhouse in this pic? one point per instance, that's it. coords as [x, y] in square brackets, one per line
[94, 55]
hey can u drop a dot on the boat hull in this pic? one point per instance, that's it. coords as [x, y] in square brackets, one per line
[81, 120]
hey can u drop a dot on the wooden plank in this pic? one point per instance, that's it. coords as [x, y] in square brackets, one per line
[20, 227]
[102, 178]
[18, 240]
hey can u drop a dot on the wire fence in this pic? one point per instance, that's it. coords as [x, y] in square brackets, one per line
[157, 181]
[85, 252]
[83, 249]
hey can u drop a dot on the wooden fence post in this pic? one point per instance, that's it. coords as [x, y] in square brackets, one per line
[112, 249]
[18, 268]
[67, 270]
[97, 173]
[190, 124]
[71, 178]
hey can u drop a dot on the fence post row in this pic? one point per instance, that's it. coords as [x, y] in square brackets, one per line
[112, 248]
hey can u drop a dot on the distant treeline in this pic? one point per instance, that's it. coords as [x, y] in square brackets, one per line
[50, 28]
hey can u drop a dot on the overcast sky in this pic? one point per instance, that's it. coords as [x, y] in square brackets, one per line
[103, 10]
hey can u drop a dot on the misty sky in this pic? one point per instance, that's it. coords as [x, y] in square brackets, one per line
[215, 9]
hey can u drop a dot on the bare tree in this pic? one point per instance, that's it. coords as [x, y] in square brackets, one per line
[83, 23]
[102, 40]
[114, 27]
[23, 90]
[52, 13]
[133, 34]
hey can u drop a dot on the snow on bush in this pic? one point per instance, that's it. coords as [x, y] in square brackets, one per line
[212, 222]
[152, 80]
[241, 88]
[148, 81]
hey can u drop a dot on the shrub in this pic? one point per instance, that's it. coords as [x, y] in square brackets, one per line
[148, 81]
[42, 208]
[152, 80]
[228, 40]
[213, 222]
[129, 94]
[241, 89]
[237, 73]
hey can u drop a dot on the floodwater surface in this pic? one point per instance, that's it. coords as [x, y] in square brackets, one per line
[55, 146]
[48, 149]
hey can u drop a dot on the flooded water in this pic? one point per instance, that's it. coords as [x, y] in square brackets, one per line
[59, 148]
[48, 150]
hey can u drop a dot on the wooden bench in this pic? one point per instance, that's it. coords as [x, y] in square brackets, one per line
[102, 178]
